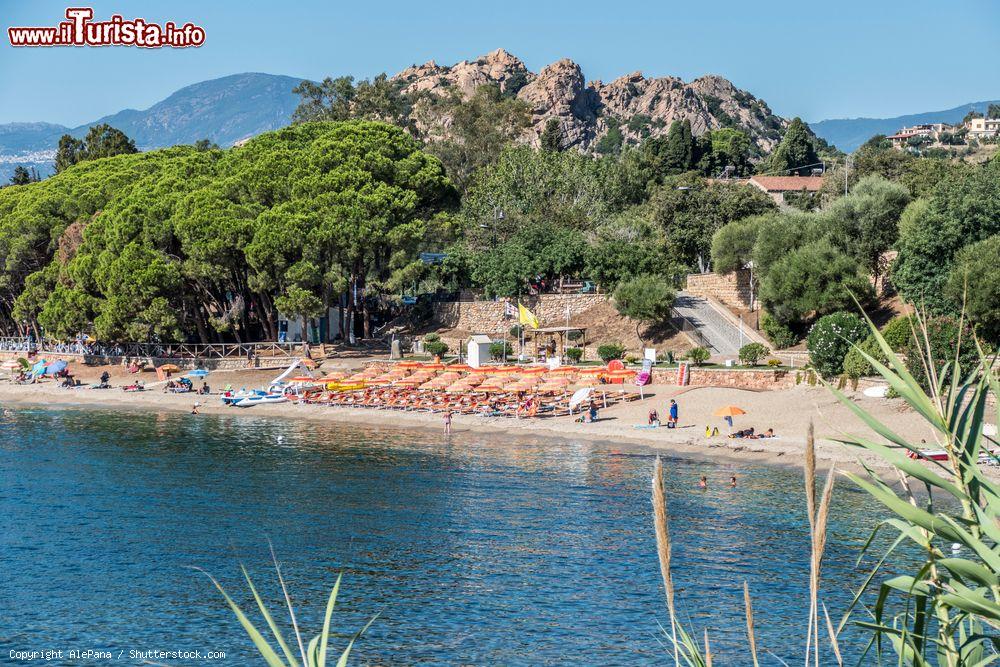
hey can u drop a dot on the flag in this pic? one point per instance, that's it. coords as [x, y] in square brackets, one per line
[509, 310]
[526, 317]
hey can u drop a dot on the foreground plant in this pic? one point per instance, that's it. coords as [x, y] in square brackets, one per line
[313, 655]
[948, 608]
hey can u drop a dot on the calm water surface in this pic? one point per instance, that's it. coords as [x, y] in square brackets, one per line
[474, 550]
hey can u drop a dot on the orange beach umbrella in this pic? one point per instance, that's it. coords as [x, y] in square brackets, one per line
[729, 411]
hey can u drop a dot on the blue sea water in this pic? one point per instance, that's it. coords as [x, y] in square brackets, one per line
[473, 550]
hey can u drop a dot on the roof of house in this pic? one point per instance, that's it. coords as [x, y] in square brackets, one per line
[788, 183]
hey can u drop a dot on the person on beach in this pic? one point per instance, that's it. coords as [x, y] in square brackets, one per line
[711, 431]
[447, 422]
[654, 417]
[703, 482]
[672, 421]
[194, 408]
[593, 411]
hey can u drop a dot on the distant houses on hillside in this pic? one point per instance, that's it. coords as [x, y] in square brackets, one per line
[916, 137]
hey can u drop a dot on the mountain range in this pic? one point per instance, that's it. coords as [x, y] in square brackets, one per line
[630, 108]
[222, 110]
[848, 134]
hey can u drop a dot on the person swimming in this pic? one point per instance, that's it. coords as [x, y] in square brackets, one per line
[732, 481]
[703, 482]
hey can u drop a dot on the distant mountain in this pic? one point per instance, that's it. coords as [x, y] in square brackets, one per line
[223, 110]
[848, 134]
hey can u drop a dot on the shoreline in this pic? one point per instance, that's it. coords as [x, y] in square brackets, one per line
[614, 426]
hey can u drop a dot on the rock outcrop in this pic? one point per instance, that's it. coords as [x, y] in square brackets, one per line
[638, 107]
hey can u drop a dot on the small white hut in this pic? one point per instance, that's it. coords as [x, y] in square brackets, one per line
[478, 350]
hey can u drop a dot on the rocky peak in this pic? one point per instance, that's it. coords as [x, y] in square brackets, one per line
[637, 106]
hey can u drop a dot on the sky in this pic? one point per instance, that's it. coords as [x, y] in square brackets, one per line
[817, 60]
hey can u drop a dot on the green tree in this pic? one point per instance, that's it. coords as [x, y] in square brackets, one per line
[645, 299]
[679, 151]
[964, 209]
[22, 176]
[100, 141]
[812, 281]
[993, 111]
[733, 243]
[481, 127]
[552, 135]
[690, 212]
[338, 99]
[865, 224]
[796, 154]
[973, 286]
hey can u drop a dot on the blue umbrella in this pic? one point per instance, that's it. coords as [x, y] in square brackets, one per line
[198, 373]
[56, 367]
[39, 368]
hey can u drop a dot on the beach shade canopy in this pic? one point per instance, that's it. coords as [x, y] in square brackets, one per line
[39, 368]
[729, 411]
[56, 367]
[579, 396]
[170, 368]
[198, 373]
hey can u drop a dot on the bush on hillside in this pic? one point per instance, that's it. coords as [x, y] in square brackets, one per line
[781, 335]
[500, 349]
[434, 346]
[610, 351]
[830, 340]
[945, 338]
[574, 354]
[751, 353]
[575, 335]
[855, 365]
[898, 332]
[698, 355]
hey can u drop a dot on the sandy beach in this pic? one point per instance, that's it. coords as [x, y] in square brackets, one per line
[787, 411]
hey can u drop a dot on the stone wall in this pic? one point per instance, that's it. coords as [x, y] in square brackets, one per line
[487, 317]
[737, 378]
[731, 289]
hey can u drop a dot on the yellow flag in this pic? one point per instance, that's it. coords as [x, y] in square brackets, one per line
[526, 317]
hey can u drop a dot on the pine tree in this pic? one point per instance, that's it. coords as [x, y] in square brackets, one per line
[679, 154]
[21, 176]
[552, 136]
[796, 154]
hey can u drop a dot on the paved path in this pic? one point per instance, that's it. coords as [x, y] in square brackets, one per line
[722, 335]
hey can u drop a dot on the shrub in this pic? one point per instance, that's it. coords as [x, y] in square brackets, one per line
[610, 351]
[774, 362]
[830, 340]
[433, 345]
[781, 335]
[499, 349]
[943, 334]
[515, 332]
[574, 354]
[751, 353]
[575, 335]
[631, 359]
[898, 332]
[699, 355]
[855, 365]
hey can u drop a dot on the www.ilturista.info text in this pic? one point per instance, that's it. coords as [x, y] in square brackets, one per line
[81, 30]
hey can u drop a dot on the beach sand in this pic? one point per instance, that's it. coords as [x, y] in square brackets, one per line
[787, 411]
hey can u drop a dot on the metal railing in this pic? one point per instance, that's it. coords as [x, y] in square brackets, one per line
[686, 326]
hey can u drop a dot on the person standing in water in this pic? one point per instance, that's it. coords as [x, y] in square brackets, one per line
[703, 482]
[732, 482]
[447, 422]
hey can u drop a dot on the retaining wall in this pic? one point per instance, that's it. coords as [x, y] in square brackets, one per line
[488, 317]
[732, 289]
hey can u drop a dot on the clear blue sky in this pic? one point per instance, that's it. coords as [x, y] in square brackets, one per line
[812, 59]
